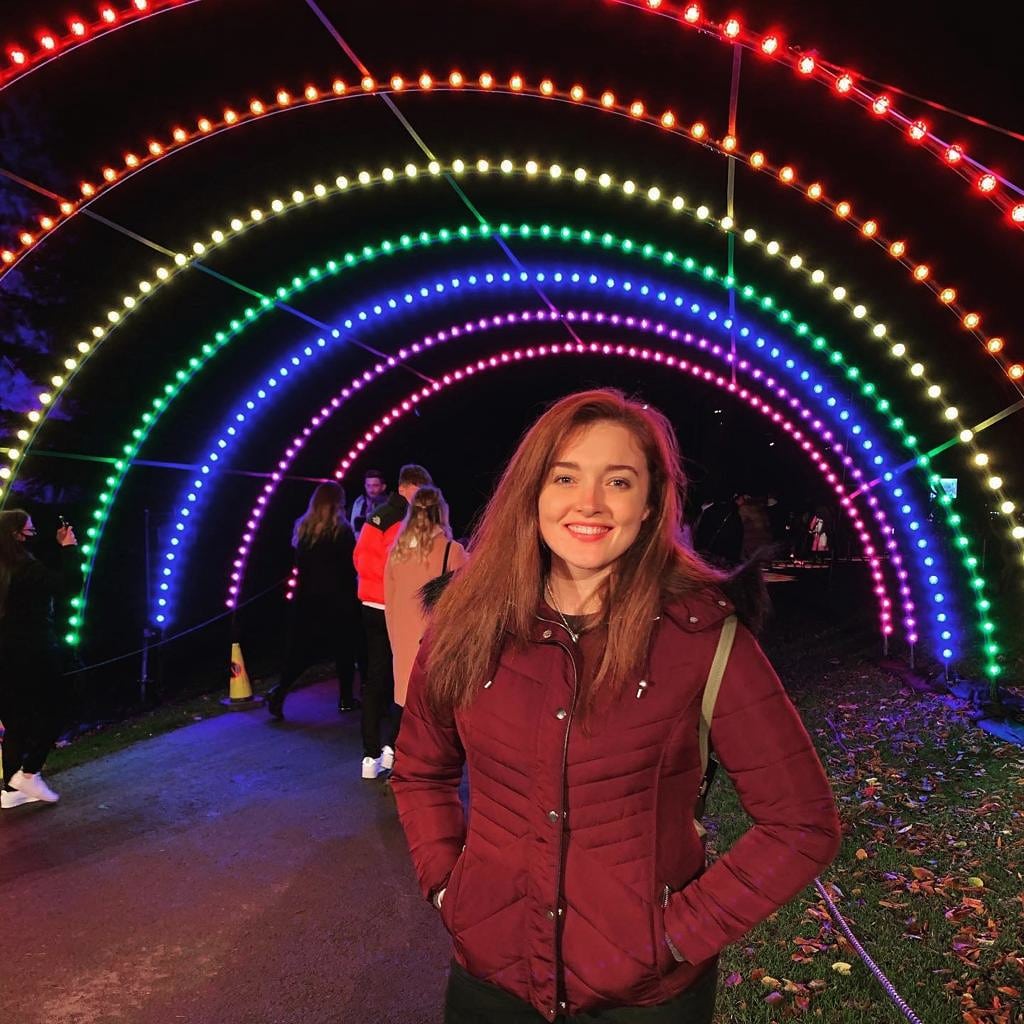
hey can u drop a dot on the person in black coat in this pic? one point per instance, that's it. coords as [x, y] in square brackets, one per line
[325, 609]
[718, 532]
[34, 692]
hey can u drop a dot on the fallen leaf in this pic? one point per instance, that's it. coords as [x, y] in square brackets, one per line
[841, 967]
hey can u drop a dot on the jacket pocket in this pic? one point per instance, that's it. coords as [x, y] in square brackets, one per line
[451, 894]
[487, 919]
[666, 961]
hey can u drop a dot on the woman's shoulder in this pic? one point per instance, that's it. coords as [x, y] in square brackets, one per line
[696, 610]
[741, 593]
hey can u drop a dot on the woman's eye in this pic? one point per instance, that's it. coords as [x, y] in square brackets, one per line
[619, 482]
[563, 479]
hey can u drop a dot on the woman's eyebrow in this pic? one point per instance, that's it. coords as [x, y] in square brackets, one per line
[607, 469]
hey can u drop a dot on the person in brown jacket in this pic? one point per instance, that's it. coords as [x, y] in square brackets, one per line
[422, 551]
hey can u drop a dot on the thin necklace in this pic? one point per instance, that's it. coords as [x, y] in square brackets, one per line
[565, 622]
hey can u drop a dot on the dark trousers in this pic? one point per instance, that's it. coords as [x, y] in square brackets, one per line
[34, 700]
[316, 633]
[396, 717]
[469, 1001]
[379, 682]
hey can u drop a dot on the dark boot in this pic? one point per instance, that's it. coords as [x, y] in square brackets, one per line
[275, 702]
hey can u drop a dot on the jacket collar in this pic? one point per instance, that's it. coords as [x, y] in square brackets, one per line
[703, 609]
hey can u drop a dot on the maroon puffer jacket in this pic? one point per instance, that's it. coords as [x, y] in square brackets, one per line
[581, 853]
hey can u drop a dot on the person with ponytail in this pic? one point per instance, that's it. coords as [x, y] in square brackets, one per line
[581, 665]
[324, 615]
[422, 552]
[34, 692]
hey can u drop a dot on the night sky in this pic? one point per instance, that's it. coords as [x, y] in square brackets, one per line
[64, 122]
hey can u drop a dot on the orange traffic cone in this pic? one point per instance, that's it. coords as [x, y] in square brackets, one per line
[240, 695]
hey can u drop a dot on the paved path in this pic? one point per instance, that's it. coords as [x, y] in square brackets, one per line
[232, 871]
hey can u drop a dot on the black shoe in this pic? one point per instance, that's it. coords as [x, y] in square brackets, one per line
[352, 704]
[275, 702]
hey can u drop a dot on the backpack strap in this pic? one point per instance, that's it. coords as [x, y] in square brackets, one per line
[707, 710]
[447, 551]
[714, 683]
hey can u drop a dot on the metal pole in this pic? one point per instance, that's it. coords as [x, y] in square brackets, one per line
[730, 193]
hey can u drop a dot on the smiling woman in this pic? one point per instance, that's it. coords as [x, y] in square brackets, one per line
[591, 727]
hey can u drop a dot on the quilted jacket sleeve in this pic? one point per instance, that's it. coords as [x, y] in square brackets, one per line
[425, 783]
[762, 744]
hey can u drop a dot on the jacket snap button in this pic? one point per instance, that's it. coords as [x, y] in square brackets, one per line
[551, 915]
[552, 816]
[562, 1004]
[693, 618]
[561, 713]
[546, 634]
[723, 604]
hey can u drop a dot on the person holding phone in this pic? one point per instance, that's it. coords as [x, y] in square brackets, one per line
[33, 687]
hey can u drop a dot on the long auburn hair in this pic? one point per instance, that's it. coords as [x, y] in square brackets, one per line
[427, 514]
[324, 517]
[500, 588]
[12, 552]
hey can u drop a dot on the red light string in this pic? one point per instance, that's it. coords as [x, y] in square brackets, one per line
[867, 227]
[22, 60]
[980, 122]
[991, 184]
[208, 270]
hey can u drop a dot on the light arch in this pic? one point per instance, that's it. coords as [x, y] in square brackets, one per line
[530, 169]
[965, 545]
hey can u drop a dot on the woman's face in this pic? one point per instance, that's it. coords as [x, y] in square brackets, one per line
[27, 531]
[594, 500]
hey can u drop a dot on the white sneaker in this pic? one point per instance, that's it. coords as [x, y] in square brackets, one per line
[387, 758]
[33, 786]
[371, 767]
[12, 798]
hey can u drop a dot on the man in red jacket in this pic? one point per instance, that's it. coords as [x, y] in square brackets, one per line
[371, 559]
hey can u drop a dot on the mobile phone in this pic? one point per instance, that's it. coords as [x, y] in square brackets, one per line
[62, 523]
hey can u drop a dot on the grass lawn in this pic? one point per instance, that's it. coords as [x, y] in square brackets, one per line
[143, 726]
[929, 876]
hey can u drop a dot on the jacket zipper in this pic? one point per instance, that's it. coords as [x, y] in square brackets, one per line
[561, 834]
